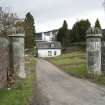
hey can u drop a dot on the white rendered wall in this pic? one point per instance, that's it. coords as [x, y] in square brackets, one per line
[44, 52]
[47, 38]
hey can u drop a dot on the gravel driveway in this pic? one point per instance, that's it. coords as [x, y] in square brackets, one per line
[63, 89]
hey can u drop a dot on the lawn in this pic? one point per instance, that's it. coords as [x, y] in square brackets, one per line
[20, 95]
[73, 63]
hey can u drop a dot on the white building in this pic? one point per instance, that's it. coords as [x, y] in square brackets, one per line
[48, 36]
[48, 49]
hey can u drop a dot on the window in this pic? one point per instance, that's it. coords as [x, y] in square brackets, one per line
[52, 45]
[49, 53]
[55, 53]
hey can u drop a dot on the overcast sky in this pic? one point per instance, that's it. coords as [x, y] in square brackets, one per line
[49, 14]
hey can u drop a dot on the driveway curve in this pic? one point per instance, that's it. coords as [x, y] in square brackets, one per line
[63, 89]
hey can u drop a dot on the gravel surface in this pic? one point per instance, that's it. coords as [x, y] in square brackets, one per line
[63, 89]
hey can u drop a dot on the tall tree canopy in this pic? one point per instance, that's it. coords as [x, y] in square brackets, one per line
[97, 24]
[63, 35]
[29, 31]
[79, 29]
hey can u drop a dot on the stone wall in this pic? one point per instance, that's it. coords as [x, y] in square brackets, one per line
[12, 56]
[11, 59]
[4, 61]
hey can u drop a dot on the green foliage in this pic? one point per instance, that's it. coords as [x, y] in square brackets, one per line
[29, 31]
[97, 24]
[67, 61]
[72, 63]
[78, 71]
[63, 35]
[79, 29]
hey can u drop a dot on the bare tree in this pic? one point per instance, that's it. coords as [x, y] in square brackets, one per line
[7, 20]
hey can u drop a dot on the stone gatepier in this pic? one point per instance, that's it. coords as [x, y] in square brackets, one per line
[17, 44]
[94, 36]
[12, 61]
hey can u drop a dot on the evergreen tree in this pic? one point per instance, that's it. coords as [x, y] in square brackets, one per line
[63, 35]
[97, 24]
[29, 31]
[78, 32]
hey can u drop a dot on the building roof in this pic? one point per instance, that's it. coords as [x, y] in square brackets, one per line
[39, 35]
[48, 45]
[55, 30]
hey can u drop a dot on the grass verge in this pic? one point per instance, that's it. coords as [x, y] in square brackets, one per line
[74, 63]
[20, 95]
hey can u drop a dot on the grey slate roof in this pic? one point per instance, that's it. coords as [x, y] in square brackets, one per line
[54, 32]
[48, 45]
